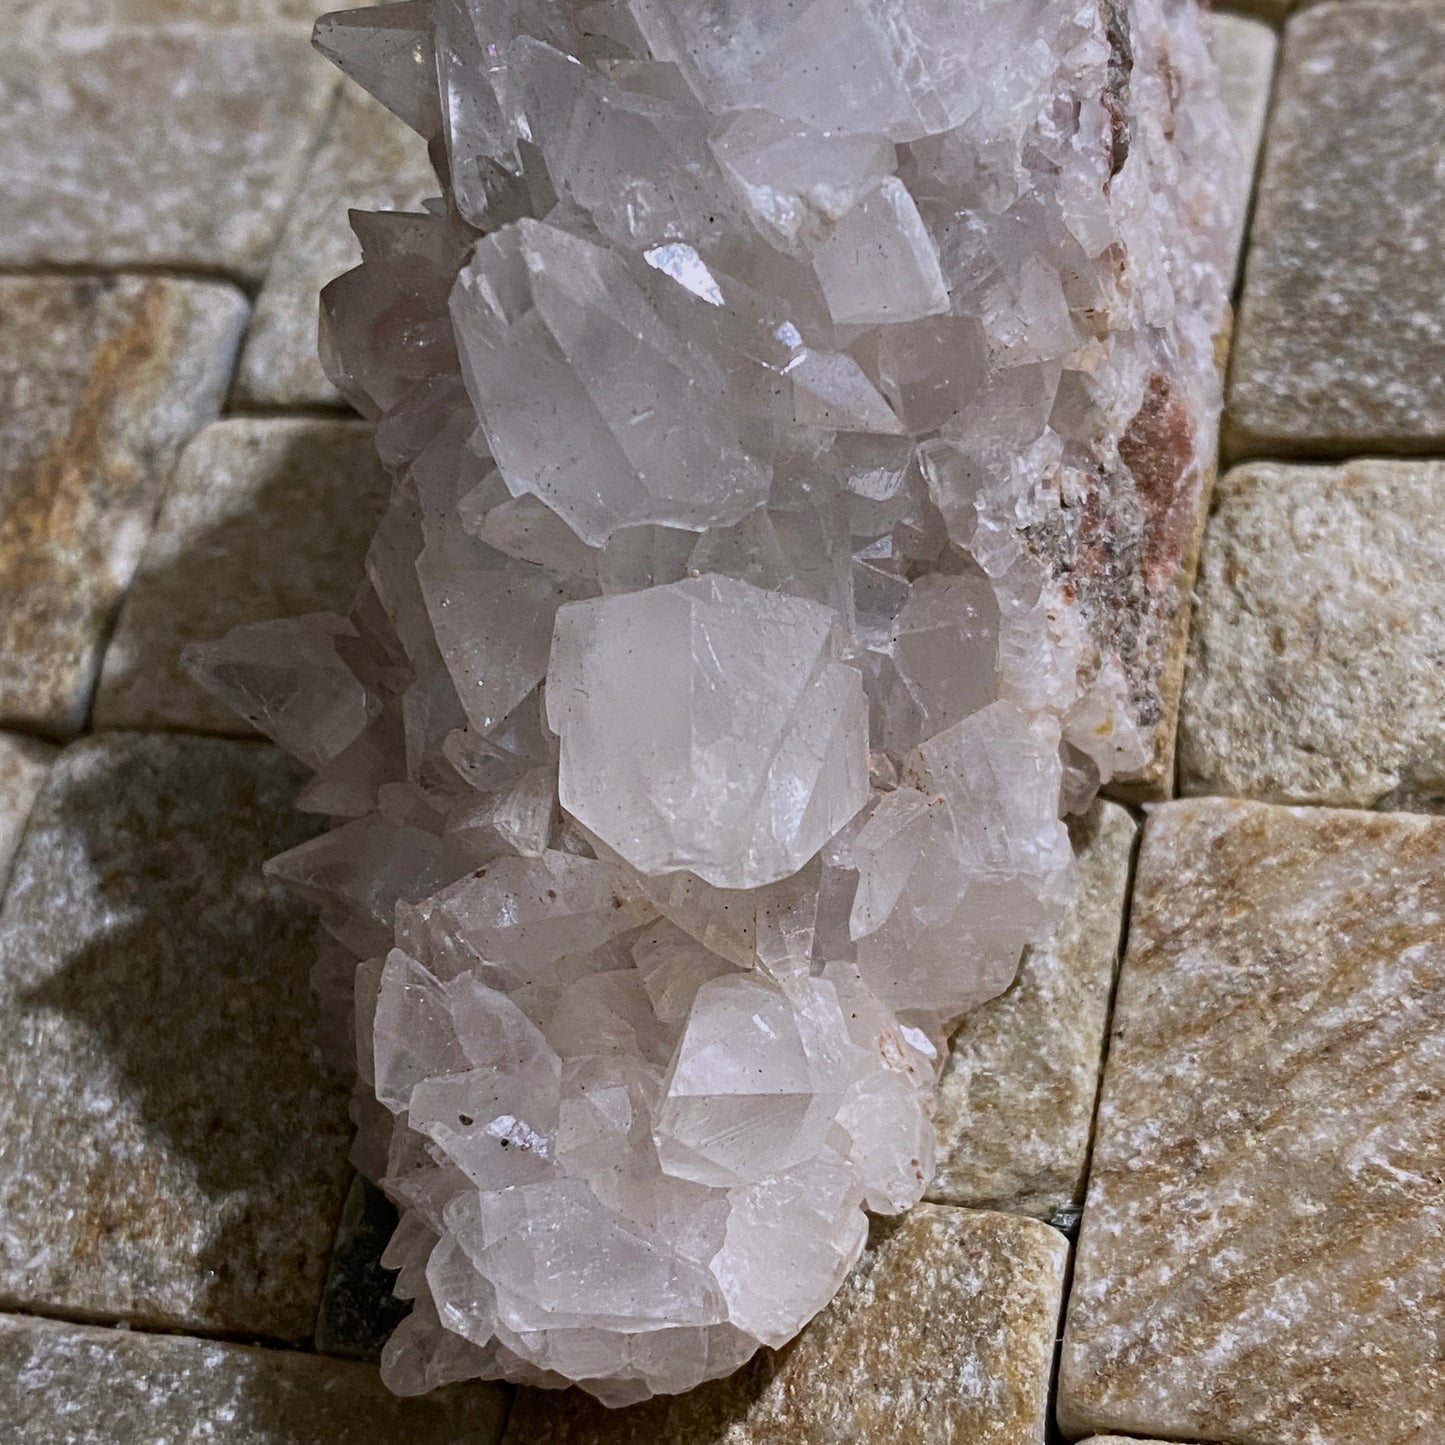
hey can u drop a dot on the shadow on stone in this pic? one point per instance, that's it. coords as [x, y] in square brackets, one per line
[264, 519]
[192, 1145]
[358, 1309]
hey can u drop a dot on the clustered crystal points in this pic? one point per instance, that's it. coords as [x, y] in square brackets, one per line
[699, 738]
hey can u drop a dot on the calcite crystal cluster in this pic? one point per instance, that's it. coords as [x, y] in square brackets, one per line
[781, 399]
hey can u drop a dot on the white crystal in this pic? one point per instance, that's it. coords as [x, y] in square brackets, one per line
[797, 182]
[587, 398]
[791, 1239]
[287, 678]
[492, 619]
[906, 69]
[708, 726]
[960, 870]
[757, 394]
[945, 647]
[880, 264]
[756, 1081]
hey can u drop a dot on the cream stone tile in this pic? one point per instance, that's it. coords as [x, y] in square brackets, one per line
[172, 1150]
[64, 1384]
[1340, 341]
[1317, 661]
[1262, 1245]
[1016, 1101]
[160, 146]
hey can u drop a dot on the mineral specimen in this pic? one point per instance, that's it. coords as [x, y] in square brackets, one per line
[699, 738]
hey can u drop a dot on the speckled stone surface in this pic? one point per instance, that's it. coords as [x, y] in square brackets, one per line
[63, 1384]
[358, 1309]
[943, 1335]
[369, 160]
[265, 518]
[165, 146]
[49, 16]
[1341, 337]
[171, 1148]
[1016, 1101]
[1264, 1241]
[102, 380]
[24, 763]
[1317, 662]
[1245, 50]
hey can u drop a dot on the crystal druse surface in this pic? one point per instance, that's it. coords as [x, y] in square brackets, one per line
[698, 741]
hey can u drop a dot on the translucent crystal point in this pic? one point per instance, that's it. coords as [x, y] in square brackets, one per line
[287, 678]
[387, 50]
[587, 398]
[958, 871]
[792, 406]
[880, 264]
[797, 182]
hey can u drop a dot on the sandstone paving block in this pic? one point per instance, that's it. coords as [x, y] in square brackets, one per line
[1317, 661]
[50, 16]
[102, 381]
[943, 1335]
[1262, 1248]
[24, 763]
[64, 1384]
[1341, 339]
[358, 1309]
[1244, 50]
[264, 519]
[1016, 1101]
[158, 146]
[369, 161]
[172, 1150]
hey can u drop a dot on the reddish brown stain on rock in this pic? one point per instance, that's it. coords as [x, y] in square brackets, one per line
[1125, 550]
[1158, 447]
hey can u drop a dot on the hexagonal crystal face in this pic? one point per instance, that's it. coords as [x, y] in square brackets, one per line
[709, 726]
